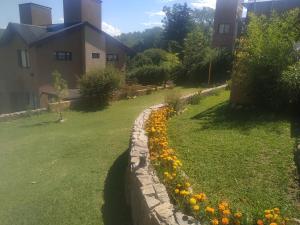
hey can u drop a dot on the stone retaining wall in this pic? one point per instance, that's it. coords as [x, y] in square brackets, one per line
[21, 114]
[148, 197]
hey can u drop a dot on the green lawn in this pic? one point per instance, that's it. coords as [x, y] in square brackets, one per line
[243, 157]
[70, 173]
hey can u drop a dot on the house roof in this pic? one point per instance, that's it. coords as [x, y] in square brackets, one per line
[32, 34]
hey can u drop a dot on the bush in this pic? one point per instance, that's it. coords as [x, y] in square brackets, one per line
[97, 86]
[152, 61]
[151, 75]
[290, 84]
[195, 99]
[263, 53]
[173, 99]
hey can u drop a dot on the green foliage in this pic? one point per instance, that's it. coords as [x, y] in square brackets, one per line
[177, 24]
[97, 86]
[198, 55]
[60, 85]
[290, 84]
[140, 41]
[173, 99]
[153, 66]
[151, 74]
[204, 18]
[61, 89]
[264, 53]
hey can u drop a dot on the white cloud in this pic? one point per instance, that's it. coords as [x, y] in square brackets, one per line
[204, 3]
[152, 24]
[159, 13]
[110, 29]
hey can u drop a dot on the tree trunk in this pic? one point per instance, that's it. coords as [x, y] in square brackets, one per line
[209, 72]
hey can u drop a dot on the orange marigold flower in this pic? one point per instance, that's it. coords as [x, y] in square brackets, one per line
[226, 212]
[225, 221]
[215, 222]
[238, 215]
[273, 223]
[269, 216]
[210, 210]
[277, 210]
[222, 207]
[260, 222]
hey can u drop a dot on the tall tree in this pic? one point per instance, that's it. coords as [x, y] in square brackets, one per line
[177, 24]
[140, 41]
[204, 18]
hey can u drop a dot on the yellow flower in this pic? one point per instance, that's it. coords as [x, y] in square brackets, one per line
[193, 201]
[226, 212]
[225, 221]
[277, 210]
[267, 211]
[260, 222]
[176, 191]
[187, 184]
[222, 207]
[215, 222]
[269, 216]
[210, 210]
[196, 207]
[153, 129]
[273, 223]
[238, 215]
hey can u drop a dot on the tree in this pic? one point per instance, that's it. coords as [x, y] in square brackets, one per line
[195, 47]
[204, 18]
[61, 89]
[177, 24]
[140, 41]
[263, 53]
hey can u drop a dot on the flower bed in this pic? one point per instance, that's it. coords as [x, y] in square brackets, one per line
[168, 167]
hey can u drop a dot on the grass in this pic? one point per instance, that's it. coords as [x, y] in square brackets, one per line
[71, 172]
[244, 157]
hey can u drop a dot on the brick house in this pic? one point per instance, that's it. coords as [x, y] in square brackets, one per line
[32, 50]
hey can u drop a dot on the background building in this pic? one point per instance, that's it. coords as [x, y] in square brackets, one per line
[32, 50]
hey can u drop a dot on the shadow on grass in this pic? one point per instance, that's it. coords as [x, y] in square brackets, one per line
[115, 210]
[222, 116]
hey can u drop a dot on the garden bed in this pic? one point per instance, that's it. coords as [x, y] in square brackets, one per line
[242, 157]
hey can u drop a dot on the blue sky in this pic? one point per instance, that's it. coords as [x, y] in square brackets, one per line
[118, 15]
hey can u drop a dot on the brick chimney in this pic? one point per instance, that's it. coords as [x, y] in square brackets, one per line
[35, 14]
[83, 11]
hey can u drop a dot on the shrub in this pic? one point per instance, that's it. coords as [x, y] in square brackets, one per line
[195, 99]
[290, 84]
[151, 75]
[149, 62]
[97, 86]
[174, 101]
[263, 53]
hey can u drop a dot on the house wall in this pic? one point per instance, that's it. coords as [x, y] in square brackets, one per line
[112, 47]
[94, 43]
[227, 12]
[17, 84]
[70, 41]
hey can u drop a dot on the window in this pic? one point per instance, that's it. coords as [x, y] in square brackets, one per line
[112, 57]
[96, 55]
[224, 28]
[63, 56]
[23, 59]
